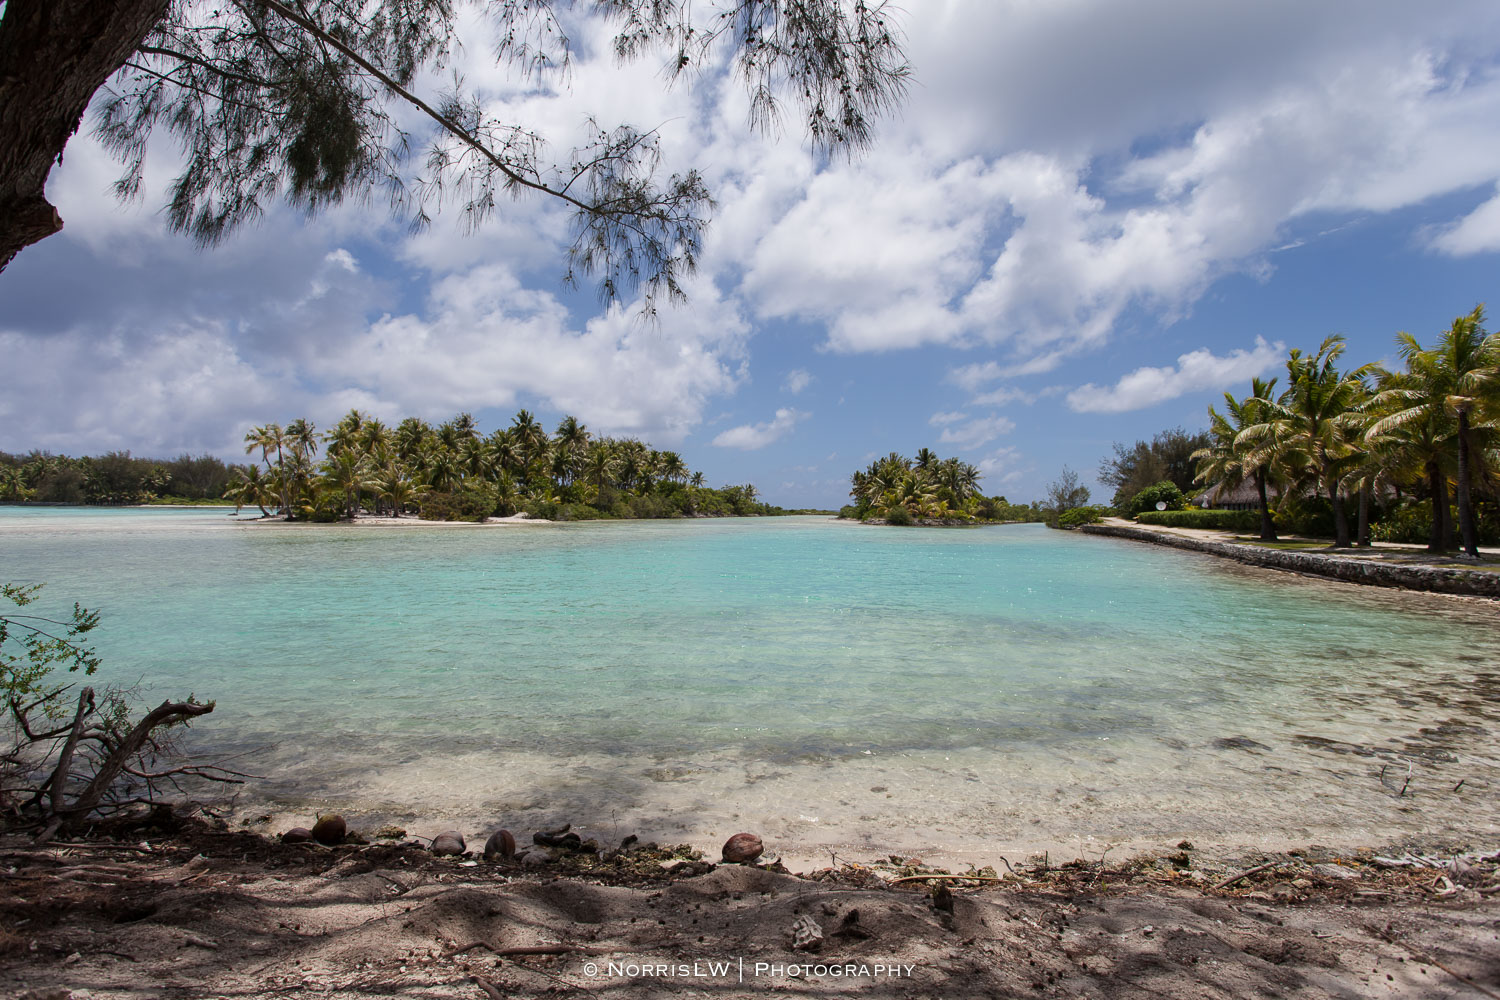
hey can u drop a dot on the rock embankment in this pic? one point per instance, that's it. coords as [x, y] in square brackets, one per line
[1372, 572]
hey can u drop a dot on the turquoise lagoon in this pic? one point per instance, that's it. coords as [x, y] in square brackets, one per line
[959, 693]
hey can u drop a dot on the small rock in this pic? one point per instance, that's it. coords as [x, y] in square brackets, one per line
[297, 835]
[743, 848]
[1337, 872]
[448, 842]
[330, 830]
[806, 935]
[500, 845]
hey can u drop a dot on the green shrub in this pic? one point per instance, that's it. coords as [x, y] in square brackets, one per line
[1411, 522]
[1080, 515]
[468, 503]
[1221, 520]
[899, 516]
[851, 513]
[1163, 492]
[1312, 516]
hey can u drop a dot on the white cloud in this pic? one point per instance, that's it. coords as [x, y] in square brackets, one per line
[999, 466]
[977, 432]
[750, 437]
[1003, 396]
[1477, 232]
[1195, 371]
[796, 380]
[943, 419]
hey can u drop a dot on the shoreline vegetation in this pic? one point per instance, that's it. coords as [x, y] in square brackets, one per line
[1410, 456]
[448, 472]
[928, 491]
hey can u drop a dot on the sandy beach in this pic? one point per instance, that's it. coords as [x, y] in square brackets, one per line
[199, 912]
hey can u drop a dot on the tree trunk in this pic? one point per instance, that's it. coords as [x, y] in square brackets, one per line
[54, 54]
[1465, 503]
[1267, 526]
[1435, 483]
[1340, 521]
[1362, 535]
[1450, 536]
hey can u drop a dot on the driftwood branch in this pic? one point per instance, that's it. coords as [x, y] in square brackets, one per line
[1231, 880]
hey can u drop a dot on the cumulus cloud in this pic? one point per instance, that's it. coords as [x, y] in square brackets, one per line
[796, 380]
[976, 433]
[1001, 466]
[1196, 370]
[751, 437]
[943, 419]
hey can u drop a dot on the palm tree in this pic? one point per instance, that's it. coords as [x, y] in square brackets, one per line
[599, 464]
[1433, 405]
[672, 467]
[302, 437]
[391, 484]
[1411, 442]
[530, 437]
[1467, 363]
[251, 486]
[411, 434]
[347, 473]
[1315, 418]
[1229, 459]
[265, 438]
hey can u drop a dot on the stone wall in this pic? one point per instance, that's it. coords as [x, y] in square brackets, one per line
[1373, 572]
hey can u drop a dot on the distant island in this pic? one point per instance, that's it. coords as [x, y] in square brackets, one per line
[450, 472]
[928, 490]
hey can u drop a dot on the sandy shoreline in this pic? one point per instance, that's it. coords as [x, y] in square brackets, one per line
[367, 521]
[189, 911]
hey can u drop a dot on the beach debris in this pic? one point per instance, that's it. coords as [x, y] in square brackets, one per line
[448, 842]
[297, 835]
[629, 842]
[806, 934]
[850, 927]
[330, 830]
[743, 849]
[502, 844]
[942, 898]
[561, 837]
[389, 833]
[1336, 872]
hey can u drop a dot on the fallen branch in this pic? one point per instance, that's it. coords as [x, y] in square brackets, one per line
[1231, 880]
[489, 990]
[923, 878]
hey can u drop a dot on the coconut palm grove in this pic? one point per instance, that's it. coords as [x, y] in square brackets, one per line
[1355, 453]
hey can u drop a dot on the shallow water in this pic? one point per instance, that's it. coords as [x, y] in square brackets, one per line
[954, 692]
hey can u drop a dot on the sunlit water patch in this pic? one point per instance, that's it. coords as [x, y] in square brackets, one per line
[954, 692]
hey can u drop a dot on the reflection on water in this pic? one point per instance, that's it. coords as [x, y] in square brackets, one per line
[1002, 685]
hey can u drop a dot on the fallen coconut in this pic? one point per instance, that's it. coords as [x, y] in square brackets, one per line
[448, 842]
[330, 830]
[743, 848]
[500, 845]
[297, 835]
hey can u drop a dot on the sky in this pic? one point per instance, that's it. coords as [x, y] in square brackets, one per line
[1086, 223]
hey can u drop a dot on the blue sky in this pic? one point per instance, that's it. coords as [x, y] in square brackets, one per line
[1089, 221]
